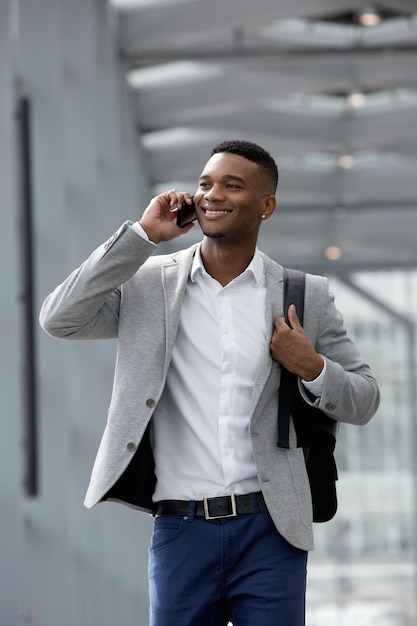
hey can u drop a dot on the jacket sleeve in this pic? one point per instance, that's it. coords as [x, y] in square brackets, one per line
[86, 304]
[350, 392]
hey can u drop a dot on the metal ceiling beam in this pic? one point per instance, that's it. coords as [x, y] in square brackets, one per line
[161, 55]
[141, 23]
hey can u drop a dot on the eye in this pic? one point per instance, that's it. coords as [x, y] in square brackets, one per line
[203, 185]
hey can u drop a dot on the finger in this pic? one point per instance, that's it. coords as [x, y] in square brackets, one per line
[176, 198]
[172, 197]
[186, 199]
[280, 322]
[293, 317]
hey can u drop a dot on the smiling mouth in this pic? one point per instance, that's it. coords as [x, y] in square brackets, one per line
[215, 212]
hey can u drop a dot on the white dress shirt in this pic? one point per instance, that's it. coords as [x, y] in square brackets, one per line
[200, 435]
[201, 439]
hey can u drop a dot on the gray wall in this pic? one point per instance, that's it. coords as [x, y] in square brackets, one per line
[61, 564]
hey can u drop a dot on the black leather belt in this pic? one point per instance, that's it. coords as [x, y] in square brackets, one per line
[212, 508]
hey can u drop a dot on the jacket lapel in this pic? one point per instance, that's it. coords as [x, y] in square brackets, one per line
[269, 372]
[174, 276]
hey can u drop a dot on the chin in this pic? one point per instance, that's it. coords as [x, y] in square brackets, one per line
[214, 235]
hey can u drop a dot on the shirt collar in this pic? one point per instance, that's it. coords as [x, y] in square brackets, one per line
[255, 267]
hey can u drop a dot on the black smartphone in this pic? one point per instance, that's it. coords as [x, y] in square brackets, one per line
[186, 214]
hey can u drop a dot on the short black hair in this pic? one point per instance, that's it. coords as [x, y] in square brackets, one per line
[252, 152]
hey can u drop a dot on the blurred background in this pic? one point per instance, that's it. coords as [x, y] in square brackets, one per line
[102, 106]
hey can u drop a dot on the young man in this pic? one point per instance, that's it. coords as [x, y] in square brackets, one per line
[192, 428]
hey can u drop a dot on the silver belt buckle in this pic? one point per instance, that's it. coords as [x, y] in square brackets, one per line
[206, 504]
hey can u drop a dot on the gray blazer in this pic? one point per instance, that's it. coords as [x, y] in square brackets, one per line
[122, 292]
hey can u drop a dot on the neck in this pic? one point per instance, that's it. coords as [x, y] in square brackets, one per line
[224, 263]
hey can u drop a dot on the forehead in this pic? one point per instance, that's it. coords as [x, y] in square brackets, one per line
[224, 164]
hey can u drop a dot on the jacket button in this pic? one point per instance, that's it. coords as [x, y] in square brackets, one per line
[131, 446]
[150, 402]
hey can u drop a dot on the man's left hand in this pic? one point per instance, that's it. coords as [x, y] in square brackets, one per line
[291, 347]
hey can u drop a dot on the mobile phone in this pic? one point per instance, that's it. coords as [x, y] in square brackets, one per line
[186, 214]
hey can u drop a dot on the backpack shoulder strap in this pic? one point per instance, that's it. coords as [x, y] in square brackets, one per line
[294, 287]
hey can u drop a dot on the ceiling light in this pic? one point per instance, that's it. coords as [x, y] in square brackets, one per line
[369, 16]
[346, 161]
[356, 99]
[333, 253]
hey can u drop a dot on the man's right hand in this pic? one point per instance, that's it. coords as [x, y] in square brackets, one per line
[158, 219]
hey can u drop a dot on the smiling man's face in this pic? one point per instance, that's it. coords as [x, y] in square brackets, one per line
[232, 197]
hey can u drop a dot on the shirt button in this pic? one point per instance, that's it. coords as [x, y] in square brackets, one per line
[131, 447]
[150, 402]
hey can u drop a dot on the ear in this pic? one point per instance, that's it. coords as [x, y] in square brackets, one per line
[269, 205]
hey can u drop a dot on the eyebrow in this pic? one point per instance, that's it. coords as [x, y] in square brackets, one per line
[225, 177]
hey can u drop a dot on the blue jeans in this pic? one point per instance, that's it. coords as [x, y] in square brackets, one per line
[209, 572]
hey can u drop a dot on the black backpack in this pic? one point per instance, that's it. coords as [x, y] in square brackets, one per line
[316, 432]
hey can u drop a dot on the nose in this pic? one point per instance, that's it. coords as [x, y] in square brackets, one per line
[214, 194]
